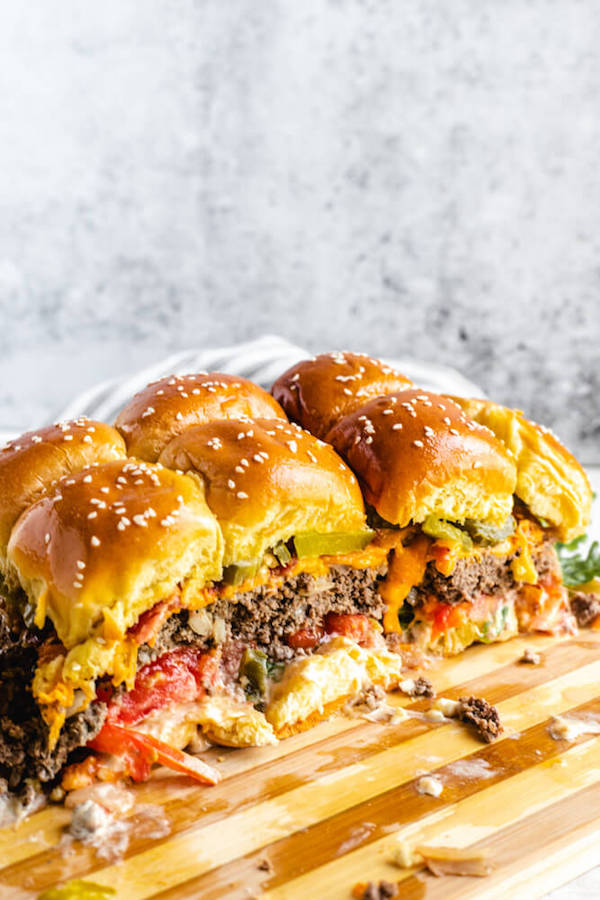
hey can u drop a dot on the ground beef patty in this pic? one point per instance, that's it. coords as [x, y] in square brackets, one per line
[490, 575]
[265, 617]
[24, 749]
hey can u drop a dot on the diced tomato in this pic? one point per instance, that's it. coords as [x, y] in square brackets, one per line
[305, 638]
[446, 616]
[139, 751]
[354, 626]
[182, 675]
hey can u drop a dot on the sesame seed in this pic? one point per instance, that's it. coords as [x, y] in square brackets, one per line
[447, 420]
[397, 427]
[244, 462]
[296, 376]
[148, 411]
[348, 392]
[140, 520]
[80, 564]
[293, 446]
[418, 443]
[231, 483]
[36, 439]
[257, 458]
[92, 515]
[388, 412]
[179, 417]
[47, 538]
[94, 541]
[68, 437]
[104, 490]
[87, 439]
[241, 495]
[453, 431]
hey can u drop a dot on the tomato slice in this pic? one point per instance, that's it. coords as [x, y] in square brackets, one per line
[350, 625]
[182, 675]
[139, 751]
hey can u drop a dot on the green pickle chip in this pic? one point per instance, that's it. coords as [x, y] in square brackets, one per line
[311, 543]
[438, 528]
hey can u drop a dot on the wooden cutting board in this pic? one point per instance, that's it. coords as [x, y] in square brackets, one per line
[320, 812]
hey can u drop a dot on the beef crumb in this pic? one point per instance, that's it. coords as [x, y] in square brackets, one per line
[585, 607]
[530, 657]
[482, 716]
[265, 866]
[381, 891]
[417, 687]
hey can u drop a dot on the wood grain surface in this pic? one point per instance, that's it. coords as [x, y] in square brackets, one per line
[323, 810]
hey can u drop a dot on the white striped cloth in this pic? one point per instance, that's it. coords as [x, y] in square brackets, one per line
[261, 360]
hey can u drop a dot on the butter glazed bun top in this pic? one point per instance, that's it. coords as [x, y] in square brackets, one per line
[550, 481]
[30, 464]
[167, 407]
[266, 481]
[318, 392]
[417, 454]
[110, 542]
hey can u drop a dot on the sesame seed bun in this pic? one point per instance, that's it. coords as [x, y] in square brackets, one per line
[267, 480]
[167, 407]
[318, 392]
[108, 543]
[30, 464]
[417, 454]
[550, 481]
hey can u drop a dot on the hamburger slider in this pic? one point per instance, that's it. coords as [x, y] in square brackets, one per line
[298, 613]
[102, 558]
[471, 512]
[167, 407]
[317, 392]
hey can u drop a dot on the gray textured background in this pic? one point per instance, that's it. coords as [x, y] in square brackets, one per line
[399, 176]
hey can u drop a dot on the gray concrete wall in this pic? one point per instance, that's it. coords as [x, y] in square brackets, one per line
[399, 176]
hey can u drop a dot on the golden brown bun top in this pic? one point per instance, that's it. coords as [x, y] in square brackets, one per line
[417, 454]
[267, 480]
[549, 479]
[30, 464]
[318, 392]
[111, 541]
[167, 407]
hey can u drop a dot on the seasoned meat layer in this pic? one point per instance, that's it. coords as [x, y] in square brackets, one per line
[490, 574]
[266, 617]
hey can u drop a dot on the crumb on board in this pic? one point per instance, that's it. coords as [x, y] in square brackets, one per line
[265, 865]
[482, 716]
[371, 890]
[431, 785]
[530, 657]
[441, 860]
[417, 687]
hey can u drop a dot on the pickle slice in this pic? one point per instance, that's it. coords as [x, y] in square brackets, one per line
[239, 572]
[484, 533]
[254, 666]
[282, 553]
[438, 528]
[311, 543]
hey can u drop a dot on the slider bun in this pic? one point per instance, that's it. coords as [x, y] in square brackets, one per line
[167, 407]
[109, 542]
[30, 464]
[550, 481]
[267, 480]
[417, 454]
[318, 392]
